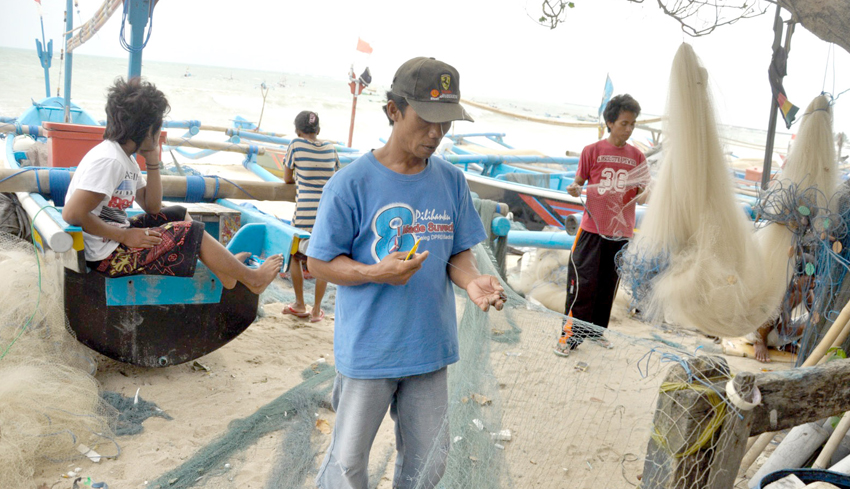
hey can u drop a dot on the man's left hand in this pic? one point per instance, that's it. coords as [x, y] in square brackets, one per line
[486, 291]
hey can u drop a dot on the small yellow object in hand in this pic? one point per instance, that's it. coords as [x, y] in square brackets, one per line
[412, 250]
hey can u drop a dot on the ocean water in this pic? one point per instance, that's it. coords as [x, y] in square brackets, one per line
[215, 95]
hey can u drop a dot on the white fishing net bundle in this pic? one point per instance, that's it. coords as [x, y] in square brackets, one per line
[801, 194]
[695, 248]
[49, 401]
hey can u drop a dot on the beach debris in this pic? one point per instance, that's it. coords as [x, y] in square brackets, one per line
[198, 366]
[595, 399]
[323, 426]
[88, 452]
[457, 439]
[513, 353]
[136, 397]
[581, 366]
[481, 400]
[500, 447]
[503, 435]
[478, 424]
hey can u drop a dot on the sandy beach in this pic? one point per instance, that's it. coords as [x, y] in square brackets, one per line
[204, 397]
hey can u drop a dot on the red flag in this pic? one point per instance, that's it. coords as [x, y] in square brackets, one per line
[362, 46]
[38, 2]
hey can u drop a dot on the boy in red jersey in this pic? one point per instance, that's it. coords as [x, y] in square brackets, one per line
[616, 174]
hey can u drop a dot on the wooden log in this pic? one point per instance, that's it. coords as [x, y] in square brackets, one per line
[733, 436]
[173, 187]
[802, 395]
[697, 441]
[835, 332]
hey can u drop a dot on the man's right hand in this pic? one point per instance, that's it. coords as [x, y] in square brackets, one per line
[141, 238]
[394, 270]
[574, 189]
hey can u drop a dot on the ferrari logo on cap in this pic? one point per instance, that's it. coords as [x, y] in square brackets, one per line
[445, 81]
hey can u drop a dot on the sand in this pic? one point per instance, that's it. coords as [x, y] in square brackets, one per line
[251, 371]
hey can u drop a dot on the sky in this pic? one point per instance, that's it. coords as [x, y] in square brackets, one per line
[498, 48]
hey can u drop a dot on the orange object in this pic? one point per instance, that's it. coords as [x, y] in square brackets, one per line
[753, 174]
[68, 143]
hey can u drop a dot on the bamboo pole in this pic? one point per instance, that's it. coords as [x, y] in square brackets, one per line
[836, 331]
[173, 187]
[12, 128]
[51, 234]
[833, 442]
[90, 28]
[234, 148]
[544, 120]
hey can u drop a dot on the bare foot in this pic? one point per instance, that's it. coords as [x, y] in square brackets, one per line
[260, 278]
[230, 282]
[761, 352]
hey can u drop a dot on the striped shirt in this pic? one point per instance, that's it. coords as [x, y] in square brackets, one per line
[313, 165]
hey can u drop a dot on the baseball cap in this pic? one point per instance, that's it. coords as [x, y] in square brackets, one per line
[432, 88]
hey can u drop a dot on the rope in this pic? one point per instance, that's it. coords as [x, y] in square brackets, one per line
[195, 187]
[710, 429]
[127, 47]
[60, 179]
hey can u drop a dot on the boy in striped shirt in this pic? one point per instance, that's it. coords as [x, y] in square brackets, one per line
[309, 164]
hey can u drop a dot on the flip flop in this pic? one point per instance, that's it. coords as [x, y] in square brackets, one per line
[289, 310]
[603, 342]
[318, 319]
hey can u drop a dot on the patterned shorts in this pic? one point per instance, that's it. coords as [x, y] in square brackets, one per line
[176, 255]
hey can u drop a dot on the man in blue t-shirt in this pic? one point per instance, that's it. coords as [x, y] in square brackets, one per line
[396, 330]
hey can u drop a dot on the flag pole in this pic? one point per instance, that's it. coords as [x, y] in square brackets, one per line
[357, 84]
[774, 105]
[356, 88]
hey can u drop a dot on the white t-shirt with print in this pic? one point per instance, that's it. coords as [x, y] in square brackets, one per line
[107, 170]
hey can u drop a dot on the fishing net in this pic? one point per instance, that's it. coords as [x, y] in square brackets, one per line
[49, 401]
[519, 416]
[696, 249]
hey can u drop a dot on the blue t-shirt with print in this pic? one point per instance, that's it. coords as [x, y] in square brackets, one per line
[368, 211]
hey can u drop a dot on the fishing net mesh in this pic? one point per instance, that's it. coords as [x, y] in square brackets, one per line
[519, 416]
[49, 401]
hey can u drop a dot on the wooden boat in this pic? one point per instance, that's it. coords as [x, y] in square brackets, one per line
[534, 185]
[151, 321]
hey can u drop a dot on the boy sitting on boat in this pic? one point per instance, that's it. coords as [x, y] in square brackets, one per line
[163, 241]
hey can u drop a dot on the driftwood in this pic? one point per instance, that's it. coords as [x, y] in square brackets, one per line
[676, 458]
[798, 396]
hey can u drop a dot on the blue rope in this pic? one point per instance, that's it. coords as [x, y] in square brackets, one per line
[195, 187]
[127, 47]
[235, 185]
[59, 181]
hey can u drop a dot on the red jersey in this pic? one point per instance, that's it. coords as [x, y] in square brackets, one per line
[612, 187]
